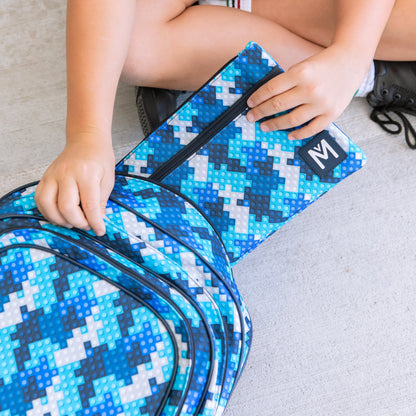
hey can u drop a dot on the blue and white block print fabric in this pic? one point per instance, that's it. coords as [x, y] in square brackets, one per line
[249, 183]
[146, 320]
[196, 114]
[63, 349]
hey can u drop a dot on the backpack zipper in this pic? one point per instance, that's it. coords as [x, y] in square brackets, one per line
[212, 130]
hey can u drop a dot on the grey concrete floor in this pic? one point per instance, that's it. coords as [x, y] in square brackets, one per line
[332, 294]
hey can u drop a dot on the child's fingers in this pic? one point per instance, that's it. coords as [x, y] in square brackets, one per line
[275, 86]
[92, 205]
[276, 104]
[106, 187]
[313, 127]
[295, 118]
[68, 204]
[46, 196]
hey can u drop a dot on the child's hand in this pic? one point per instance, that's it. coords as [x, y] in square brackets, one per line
[318, 89]
[75, 188]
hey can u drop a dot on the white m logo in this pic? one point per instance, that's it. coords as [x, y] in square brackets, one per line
[320, 151]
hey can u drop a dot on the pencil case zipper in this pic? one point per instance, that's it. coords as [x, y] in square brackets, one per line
[212, 130]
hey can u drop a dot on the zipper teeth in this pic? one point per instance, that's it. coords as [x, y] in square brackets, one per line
[215, 127]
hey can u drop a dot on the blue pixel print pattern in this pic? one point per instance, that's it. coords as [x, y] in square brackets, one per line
[172, 213]
[249, 183]
[83, 257]
[198, 112]
[62, 346]
[215, 328]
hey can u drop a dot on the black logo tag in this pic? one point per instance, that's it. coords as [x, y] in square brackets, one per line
[322, 154]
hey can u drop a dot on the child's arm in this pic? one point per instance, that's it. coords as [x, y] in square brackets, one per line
[98, 37]
[320, 87]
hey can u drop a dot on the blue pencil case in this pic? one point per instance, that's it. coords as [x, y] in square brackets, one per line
[249, 183]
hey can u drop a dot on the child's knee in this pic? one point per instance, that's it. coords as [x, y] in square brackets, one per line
[143, 66]
[147, 59]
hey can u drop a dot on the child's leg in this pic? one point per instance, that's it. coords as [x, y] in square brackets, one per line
[176, 46]
[315, 20]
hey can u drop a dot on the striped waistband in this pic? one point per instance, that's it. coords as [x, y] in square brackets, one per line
[236, 4]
